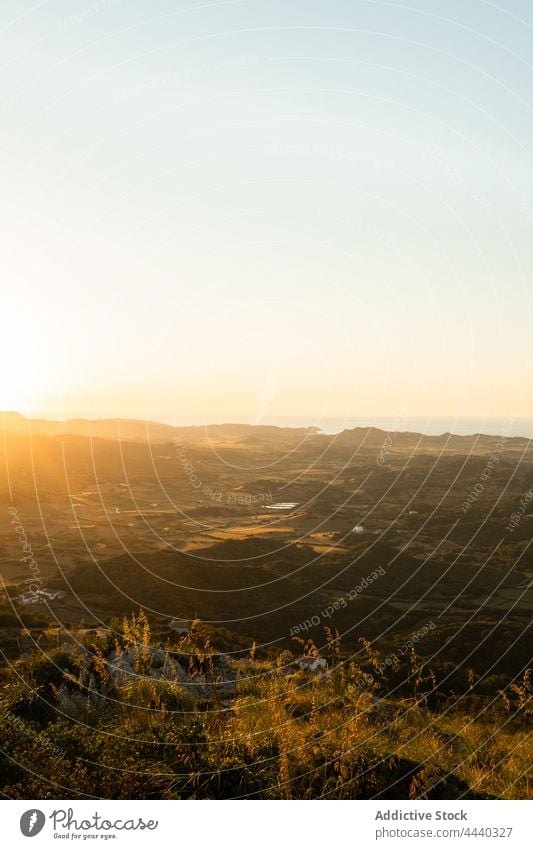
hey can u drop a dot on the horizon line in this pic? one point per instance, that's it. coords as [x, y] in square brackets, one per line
[400, 425]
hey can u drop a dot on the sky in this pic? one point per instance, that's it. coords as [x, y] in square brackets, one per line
[253, 211]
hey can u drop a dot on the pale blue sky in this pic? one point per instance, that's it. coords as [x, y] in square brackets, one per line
[260, 209]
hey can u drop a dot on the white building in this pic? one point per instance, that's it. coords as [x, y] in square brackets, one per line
[312, 664]
[29, 598]
[40, 596]
[50, 595]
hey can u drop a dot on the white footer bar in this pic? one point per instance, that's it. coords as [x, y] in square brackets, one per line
[274, 824]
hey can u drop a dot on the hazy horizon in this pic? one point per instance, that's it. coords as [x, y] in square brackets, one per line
[429, 425]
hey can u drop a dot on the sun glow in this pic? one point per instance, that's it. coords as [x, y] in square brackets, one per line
[20, 382]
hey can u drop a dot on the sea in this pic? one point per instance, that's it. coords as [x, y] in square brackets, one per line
[508, 426]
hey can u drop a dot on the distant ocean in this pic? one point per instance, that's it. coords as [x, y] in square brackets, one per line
[435, 426]
[432, 426]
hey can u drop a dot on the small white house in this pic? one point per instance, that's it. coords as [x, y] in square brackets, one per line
[358, 529]
[40, 596]
[51, 595]
[30, 598]
[312, 664]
